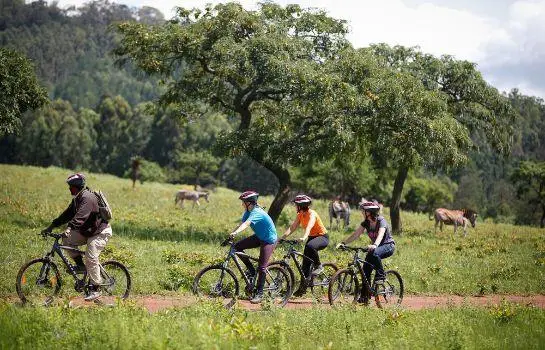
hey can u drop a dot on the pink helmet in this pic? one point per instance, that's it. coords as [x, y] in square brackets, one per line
[302, 200]
[370, 206]
[249, 196]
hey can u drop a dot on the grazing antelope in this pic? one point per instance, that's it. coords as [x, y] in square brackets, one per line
[454, 217]
[339, 210]
[182, 195]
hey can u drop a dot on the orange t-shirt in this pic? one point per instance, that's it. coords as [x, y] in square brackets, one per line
[318, 229]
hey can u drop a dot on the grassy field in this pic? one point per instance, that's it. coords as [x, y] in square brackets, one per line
[165, 246]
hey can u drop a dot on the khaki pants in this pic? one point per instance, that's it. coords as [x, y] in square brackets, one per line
[95, 245]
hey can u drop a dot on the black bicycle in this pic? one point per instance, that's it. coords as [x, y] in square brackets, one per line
[319, 283]
[344, 286]
[219, 281]
[39, 280]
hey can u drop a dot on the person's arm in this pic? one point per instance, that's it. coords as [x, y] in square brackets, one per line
[309, 227]
[240, 228]
[380, 235]
[290, 229]
[66, 215]
[353, 236]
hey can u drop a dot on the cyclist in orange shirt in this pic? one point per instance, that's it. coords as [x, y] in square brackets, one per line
[315, 231]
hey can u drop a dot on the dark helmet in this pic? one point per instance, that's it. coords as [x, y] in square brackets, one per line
[249, 196]
[371, 207]
[302, 200]
[76, 180]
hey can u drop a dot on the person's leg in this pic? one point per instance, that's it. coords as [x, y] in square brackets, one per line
[312, 254]
[314, 244]
[247, 243]
[95, 245]
[265, 252]
[376, 257]
[75, 239]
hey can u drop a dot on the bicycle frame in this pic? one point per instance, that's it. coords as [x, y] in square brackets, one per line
[58, 248]
[358, 263]
[235, 256]
[292, 254]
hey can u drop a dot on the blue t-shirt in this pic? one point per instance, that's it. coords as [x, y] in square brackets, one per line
[262, 224]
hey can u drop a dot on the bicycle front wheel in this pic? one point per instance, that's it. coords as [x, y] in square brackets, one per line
[277, 285]
[218, 282]
[343, 287]
[38, 282]
[319, 284]
[116, 280]
[389, 294]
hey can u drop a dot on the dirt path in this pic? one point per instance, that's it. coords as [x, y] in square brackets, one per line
[156, 303]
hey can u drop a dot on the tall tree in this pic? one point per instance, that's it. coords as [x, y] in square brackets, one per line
[530, 180]
[19, 88]
[247, 64]
[431, 124]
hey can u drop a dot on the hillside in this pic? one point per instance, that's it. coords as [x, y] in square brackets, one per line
[165, 246]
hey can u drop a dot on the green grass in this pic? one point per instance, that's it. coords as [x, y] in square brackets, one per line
[208, 326]
[165, 246]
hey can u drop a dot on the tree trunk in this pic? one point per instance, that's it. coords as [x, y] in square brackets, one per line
[542, 224]
[283, 194]
[396, 199]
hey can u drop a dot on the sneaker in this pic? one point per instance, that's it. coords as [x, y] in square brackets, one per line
[258, 298]
[93, 295]
[318, 270]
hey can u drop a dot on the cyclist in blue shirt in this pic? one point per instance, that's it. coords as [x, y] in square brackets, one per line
[264, 237]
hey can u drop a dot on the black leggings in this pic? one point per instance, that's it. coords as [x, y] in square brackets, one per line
[314, 244]
[265, 252]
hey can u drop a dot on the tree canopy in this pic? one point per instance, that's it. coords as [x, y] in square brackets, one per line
[20, 90]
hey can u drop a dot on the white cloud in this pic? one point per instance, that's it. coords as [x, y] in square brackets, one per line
[517, 44]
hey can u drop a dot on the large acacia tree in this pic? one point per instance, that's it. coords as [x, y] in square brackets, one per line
[265, 67]
[432, 122]
[19, 89]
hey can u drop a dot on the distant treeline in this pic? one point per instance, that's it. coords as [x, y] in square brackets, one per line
[100, 118]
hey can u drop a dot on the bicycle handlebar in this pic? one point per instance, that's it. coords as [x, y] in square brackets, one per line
[227, 242]
[290, 241]
[345, 247]
[51, 234]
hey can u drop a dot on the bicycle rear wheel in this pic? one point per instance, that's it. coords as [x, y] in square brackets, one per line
[217, 281]
[277, 285]
[343, 287]
[319, 284]
[389, 294]
[116, 279]
[38, 282]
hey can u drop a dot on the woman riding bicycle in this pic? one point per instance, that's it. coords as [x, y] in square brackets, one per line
[315, 232]
[265, 238]
[383, 244]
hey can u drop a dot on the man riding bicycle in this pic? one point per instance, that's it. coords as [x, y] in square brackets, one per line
[85, 226]
[316, 233]
[265, 238]
[383, 244]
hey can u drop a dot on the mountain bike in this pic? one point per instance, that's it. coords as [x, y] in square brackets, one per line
[39, 280]
[220, 281]
[318, 284]
[344, 286]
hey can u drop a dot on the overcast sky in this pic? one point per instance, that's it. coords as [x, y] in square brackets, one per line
[505, 38]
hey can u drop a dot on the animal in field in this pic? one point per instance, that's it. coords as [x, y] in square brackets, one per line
[454, 217]
[339, 210]
[194, 196]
